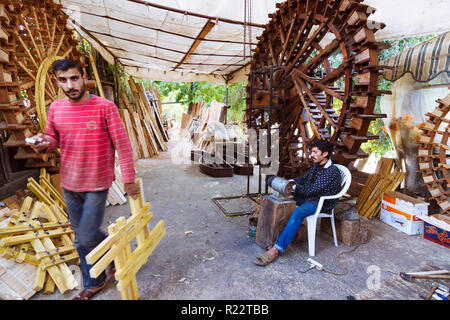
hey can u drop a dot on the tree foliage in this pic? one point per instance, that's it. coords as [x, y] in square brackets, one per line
[383, 144]
[206, 92]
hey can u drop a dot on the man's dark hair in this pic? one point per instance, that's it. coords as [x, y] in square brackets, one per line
[323, 146]
[66, 64]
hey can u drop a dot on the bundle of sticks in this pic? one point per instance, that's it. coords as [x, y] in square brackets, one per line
[143, 121]
[387, 177]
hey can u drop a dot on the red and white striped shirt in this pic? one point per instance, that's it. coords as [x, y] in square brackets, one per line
[88, 134]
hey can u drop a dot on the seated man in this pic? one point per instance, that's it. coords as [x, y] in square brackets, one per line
[322, 179]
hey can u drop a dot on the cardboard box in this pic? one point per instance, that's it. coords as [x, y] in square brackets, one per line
[401, 211]
[435, 230]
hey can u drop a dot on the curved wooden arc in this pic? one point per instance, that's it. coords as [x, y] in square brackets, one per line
[434, 153]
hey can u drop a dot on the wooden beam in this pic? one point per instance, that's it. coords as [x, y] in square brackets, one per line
[205, 30]
[148, 3]
[318, 85]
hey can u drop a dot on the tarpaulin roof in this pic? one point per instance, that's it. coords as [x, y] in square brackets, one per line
[424, 61]
[198, 40]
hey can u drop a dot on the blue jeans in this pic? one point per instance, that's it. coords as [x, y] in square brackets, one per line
[298, 215]
[86, 210]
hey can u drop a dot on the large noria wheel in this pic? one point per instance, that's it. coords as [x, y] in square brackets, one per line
[434, 153]
[41, 38]
[321, 60]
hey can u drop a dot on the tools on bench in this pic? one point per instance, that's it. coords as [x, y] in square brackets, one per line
[435, 274]
[438, 292]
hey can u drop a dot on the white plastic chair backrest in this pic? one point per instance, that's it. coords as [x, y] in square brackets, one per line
[346, 179]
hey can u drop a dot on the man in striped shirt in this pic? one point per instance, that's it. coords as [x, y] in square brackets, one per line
[88, 130]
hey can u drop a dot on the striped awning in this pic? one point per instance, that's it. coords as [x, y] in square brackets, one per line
[424, 61]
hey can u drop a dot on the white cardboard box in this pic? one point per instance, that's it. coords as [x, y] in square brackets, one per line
[401, 211]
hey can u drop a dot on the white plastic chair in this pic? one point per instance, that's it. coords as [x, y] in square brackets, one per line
[312, 219]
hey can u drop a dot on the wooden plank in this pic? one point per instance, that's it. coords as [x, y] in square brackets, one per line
[121, 244]
[116, 247]
[110, 240]
[130, 131]
[142, 140]
[145, 111]
[97, 77]
[205, 30]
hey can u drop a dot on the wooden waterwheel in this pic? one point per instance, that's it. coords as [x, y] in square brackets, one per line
[314, 74]
[434, 153]
[40, 37]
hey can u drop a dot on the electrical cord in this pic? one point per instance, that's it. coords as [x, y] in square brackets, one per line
[340, 262]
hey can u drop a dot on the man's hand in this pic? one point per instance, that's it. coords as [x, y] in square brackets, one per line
[132, 189]
[38, 142]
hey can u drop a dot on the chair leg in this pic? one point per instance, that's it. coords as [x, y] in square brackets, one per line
[312, 223]
[333, 227]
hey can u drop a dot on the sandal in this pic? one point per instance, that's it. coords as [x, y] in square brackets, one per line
[265, 259]
[87, 294]
[110, 271]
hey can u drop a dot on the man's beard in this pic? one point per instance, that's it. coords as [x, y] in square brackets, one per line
[82, 92]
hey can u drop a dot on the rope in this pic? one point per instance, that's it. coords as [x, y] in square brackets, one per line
[249, 26]
[245, 25]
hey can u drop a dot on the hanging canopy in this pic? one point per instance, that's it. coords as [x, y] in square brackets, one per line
[424, 61]
[198, 40]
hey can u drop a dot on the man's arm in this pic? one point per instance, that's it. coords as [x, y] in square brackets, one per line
[327, 181]
[123, 147]
[301, 183]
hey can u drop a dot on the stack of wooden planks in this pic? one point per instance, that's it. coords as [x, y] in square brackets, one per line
[195, 119]
[35, 229]
[387, 177]
[194, 124]
[39, 234]
[16, 279]
[143, 122]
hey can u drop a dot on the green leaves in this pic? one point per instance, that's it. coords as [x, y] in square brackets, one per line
[201, 91]
[383, 144]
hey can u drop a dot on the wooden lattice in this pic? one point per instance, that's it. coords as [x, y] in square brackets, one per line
[39, 233]
[117, 246]
[434, 153]
[309, 75]
[51, 244]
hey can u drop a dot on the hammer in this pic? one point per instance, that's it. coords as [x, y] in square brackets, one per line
[436, 274]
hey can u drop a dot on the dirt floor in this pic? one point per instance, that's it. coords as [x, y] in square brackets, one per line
[207, 255]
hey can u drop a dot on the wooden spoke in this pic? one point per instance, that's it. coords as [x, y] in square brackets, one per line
[39, 33]
[433, 153]
[324, 57]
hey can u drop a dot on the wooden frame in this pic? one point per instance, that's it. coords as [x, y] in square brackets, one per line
[117, 246]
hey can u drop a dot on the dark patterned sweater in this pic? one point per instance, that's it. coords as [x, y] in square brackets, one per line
[319, 181]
